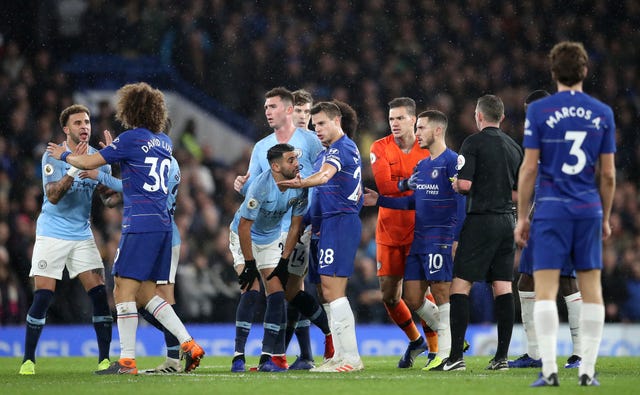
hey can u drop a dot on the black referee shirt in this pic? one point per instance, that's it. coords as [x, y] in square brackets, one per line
[490, 160]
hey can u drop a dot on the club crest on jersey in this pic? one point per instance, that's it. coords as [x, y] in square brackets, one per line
[48, 169]
[42, 264]
[434, 173]
[460, 163]
[372, 158]
[252, 204]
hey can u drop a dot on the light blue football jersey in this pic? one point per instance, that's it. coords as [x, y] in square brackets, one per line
[308, 147]
[267, 206]
[70, 218]
[571, 129]
[173, 184]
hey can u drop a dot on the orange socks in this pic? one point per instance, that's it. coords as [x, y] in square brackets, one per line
[401, 315]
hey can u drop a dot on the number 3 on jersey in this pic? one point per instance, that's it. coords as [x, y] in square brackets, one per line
[577, 138]
[158, 176]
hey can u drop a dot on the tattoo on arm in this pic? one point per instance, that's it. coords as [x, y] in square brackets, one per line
[56, 190]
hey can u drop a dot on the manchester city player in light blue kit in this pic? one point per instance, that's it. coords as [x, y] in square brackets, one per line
[64, 238]
[144, 252]
[572, 135]
[255, 242]
[439, 213]
[278, 109]
[339, 193]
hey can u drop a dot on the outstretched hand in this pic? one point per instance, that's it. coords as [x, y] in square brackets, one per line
[108, 139]
[295, 182]
[56, 150]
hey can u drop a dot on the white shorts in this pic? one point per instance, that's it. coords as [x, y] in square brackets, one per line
[175, 257]
[50, 256]
[266, 256]
[299, 259]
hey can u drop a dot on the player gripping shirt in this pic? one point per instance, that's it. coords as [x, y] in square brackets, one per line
[394, 229]
[568, 211]
[340, 201]
[440, 212]
[68, 220]
[145, 160]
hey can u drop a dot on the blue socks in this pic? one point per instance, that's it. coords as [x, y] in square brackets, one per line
[36, 318]
[244, 318]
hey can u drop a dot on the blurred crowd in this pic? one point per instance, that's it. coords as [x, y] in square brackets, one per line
[364, 52]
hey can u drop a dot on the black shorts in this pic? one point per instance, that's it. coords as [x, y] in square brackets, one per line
[486, 248]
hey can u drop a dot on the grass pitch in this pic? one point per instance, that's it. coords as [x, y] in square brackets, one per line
[74, 375]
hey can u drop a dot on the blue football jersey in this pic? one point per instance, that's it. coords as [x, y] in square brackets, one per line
[145, 159]
[571, 129]
[440, 211]
[267, 206]
[173, 184]
[308, 147]
[343, 192]
[69, 219]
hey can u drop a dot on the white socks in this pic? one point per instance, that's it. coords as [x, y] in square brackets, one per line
[527, 301]
[574, 305]
[164, 313]
[343, 329]
[127, 327]
[444, 331]
[591, 326]
[429, 313]
[545, 317]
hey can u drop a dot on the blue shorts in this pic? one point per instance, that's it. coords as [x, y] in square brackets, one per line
[339, 241]
[144, 256]
[526, 262]
[434, 265]
[558, 241]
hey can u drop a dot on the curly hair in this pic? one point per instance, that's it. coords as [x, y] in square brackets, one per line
[141, 106]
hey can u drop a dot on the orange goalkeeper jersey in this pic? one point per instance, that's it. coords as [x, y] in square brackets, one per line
[390, 165]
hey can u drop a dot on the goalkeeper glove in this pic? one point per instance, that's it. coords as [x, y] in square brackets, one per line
[409, 183]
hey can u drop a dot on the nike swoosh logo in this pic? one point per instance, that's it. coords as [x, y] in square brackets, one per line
[433, 271]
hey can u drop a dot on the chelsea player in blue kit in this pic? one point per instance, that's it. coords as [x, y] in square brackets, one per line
[278, 111]
[166, 288]
[439, 213]
[144, 253]
[569, 140]
[64, 238]
[255, 243]
[568, 289]
[339, 200]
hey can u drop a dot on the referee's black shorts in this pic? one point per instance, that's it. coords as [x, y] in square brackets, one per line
[486, 248]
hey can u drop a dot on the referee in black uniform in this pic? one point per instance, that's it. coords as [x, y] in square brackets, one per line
[488, 166]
